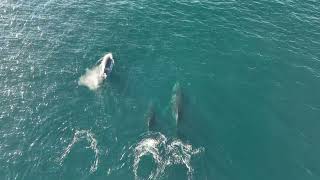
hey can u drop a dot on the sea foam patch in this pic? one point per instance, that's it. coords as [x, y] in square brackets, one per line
[87, 135]
[165, 153]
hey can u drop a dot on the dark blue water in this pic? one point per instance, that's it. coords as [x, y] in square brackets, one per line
[249, 74]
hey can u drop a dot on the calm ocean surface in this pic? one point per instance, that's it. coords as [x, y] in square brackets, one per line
[249, 73]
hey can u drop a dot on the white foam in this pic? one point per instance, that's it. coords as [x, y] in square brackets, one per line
[149, 146]
[165, 154]
[93, 145]
[181, 153]
[92, 78]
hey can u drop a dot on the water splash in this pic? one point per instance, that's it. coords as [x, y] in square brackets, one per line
[93, 145]
[92, 78]
[165, 153]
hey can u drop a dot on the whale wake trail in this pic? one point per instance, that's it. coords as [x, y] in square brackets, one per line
[165, 153]
[83, 134]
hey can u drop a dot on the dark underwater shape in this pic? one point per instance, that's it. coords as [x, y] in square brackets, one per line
[176, 102]
[151, 117]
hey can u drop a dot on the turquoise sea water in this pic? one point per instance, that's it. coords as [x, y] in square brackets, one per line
[249, 73]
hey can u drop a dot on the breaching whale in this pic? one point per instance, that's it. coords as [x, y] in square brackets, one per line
[106, 65]
[95, 76]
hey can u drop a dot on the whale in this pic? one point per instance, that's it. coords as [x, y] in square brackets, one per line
[150, 117]
[176, 102]
[94, 76]
[105, 65]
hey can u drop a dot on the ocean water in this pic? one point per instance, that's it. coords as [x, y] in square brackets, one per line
[249, 72]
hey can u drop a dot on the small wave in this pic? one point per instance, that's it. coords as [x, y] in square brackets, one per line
[93, 145]
[165, 153]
